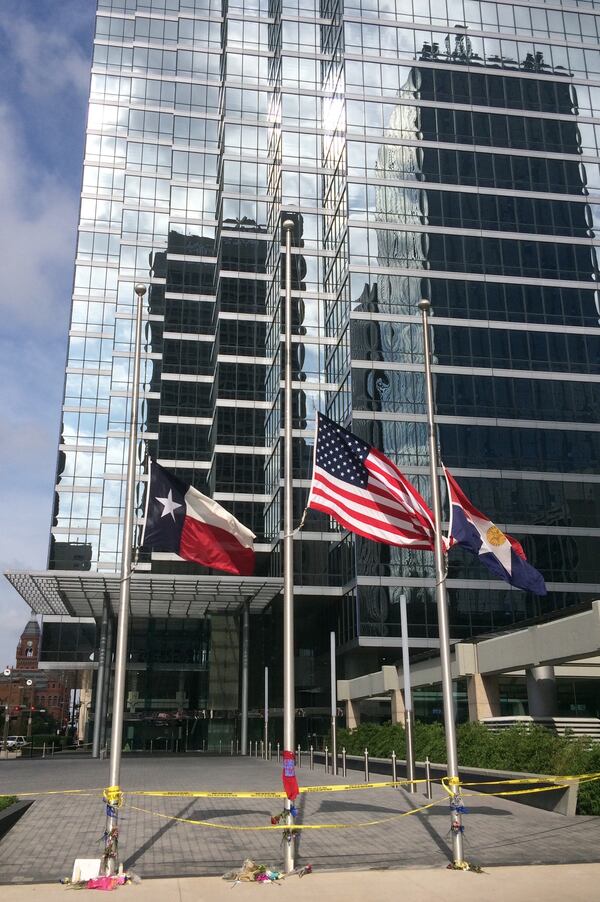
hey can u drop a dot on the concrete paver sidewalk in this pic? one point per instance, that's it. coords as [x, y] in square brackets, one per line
[558, 883]
[58, 828]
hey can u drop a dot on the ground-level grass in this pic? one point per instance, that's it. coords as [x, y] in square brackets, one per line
[5, 801]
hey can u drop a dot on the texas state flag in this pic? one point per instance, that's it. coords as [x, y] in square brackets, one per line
[181, 520]
[500, 553]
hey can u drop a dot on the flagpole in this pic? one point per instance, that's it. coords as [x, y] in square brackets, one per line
[288, 543]
[113, 793]
[409, 717]
[442, 602]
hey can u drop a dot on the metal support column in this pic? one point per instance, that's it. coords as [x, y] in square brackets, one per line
[441, 597]
[245, 663]
[100, 679]
[289, 700]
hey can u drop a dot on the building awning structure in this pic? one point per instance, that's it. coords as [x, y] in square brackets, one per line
[81, 593]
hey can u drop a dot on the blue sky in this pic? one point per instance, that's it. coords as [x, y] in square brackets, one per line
[45, 51]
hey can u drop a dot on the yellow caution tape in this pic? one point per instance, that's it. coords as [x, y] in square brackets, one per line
[217, 794]
[200, 794]
[294, 827]
[551, 784]
[56, 792]
[550, 778]
[349, 787]
[520, 792]
[113, 796]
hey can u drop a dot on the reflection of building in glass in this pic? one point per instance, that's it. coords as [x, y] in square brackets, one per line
[442, 159]
[495, 250]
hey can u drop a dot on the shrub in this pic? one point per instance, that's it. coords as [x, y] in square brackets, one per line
[525, 748]
[380, 739]
[430, 740]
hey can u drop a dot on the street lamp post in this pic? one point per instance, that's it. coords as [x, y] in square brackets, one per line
[30, 706]
[7, 673]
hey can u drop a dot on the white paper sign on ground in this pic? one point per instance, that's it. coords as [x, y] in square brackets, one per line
[86, 869]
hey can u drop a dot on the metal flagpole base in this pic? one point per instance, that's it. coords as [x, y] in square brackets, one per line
[409, 722]
[457, 829]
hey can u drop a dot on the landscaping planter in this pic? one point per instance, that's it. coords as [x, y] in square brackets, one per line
[9, 816]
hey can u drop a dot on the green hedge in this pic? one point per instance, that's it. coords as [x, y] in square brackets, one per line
[5, 801]
[532, 749]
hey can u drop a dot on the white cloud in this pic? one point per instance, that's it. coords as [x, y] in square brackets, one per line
[49, 59]
[37, 240]
[37, 234]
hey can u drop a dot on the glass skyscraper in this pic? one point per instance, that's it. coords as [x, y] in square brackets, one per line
[446, 149]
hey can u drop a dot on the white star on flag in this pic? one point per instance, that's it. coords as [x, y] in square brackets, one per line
[169, 505]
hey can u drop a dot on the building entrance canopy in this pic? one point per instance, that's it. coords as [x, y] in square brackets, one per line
[82, 594]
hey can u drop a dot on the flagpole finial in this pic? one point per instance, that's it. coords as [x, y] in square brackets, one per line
[139, 289]
[424, 305]
[288, 225]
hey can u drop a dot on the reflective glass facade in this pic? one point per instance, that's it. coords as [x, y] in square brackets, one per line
[448, 150]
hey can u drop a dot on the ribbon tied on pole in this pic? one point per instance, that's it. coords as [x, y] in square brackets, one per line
[288, 775]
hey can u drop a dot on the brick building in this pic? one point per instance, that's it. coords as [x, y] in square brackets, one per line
[24, 686]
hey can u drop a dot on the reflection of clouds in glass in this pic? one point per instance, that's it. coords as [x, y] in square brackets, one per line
[593, 217]
[69, 427]
[310, 357]
[405, 40]
[308, 314]
[333, 113]
[397, 342]
[314, 401]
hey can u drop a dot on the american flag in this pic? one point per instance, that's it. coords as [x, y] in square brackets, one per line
[364, 491]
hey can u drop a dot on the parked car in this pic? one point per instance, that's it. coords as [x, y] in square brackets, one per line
[15, 742]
